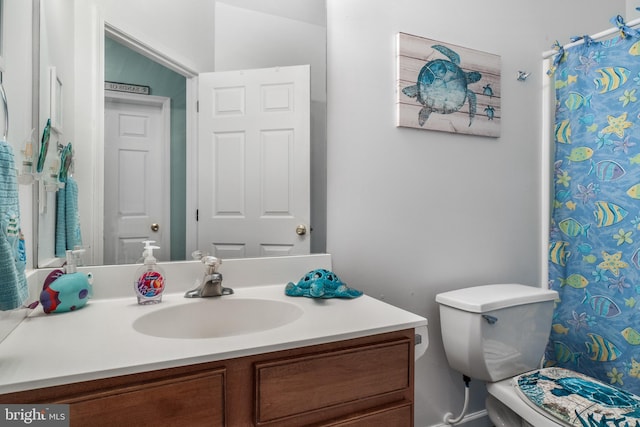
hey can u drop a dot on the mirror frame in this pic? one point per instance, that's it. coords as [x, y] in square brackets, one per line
[35, 121]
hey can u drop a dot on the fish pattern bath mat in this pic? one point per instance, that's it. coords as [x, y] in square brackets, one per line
[579, 400]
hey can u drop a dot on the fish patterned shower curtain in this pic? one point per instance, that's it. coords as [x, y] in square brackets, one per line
[594, 245]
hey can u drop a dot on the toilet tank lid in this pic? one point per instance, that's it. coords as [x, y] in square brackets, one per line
[480, 299]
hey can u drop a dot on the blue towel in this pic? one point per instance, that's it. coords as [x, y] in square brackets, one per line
[61, 224]
[13, 281]
[67, 235]
[72, 215]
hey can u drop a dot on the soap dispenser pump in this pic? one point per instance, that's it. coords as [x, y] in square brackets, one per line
[149, 281]
[69, 290]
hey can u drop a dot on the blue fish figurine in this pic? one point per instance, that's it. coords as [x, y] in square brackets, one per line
[66, 292]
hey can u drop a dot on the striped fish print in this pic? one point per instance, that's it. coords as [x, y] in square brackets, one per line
[563, 132]
[635, 258]
[558, 253]
[601, 305]
[601, 349]
[564, 354]
[607, 213]
[611, 78]
[607, 170]
[576, 100]
[573, 228]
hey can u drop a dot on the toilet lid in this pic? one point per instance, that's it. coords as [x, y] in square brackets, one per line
[577, 399]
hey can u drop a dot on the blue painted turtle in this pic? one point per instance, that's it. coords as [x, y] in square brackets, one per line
[442, 86]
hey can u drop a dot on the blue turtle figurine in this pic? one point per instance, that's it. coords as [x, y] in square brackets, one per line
[320, 283]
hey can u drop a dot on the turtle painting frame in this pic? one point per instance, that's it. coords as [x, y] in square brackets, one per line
[448, 88]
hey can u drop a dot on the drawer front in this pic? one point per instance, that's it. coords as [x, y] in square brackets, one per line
[188, 401]
[397, 416]
[283, 387]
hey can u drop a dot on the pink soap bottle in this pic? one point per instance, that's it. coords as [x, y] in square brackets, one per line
[150, 279]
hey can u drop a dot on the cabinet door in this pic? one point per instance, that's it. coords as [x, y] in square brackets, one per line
[193, 400]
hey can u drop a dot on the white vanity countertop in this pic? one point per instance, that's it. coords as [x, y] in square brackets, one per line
[99, 341]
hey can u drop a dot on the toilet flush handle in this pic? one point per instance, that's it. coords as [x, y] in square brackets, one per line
[490, 319]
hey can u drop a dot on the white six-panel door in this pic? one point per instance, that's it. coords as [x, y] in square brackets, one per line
[136, 193]
[253, 162]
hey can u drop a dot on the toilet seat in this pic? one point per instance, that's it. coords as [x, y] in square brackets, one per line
[506, 393]
[576, 399]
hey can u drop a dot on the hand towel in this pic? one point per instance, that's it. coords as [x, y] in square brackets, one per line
[13, 281]
[61, 224]
[72, 215]
[68, 236]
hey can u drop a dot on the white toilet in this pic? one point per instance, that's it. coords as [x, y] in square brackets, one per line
[493, 333]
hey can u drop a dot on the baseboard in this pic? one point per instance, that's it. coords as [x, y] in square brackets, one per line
[469, 418]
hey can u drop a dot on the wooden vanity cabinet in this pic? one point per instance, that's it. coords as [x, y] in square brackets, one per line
[359, 382]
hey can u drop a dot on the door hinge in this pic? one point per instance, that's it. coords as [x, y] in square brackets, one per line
[197, 106]
[197, 214]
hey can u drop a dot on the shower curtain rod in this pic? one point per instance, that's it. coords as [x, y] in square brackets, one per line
[596, 36]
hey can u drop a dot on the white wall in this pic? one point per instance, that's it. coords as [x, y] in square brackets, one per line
[413, 212]
[16, 78]
[631, 13]
[182, 29]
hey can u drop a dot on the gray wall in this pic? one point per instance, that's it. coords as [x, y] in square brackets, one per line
[413, 212]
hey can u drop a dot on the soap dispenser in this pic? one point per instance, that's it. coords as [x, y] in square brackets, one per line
[149, 280]
[66, 290]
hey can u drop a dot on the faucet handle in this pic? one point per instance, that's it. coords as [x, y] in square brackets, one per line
[211, 262]
[197, 255]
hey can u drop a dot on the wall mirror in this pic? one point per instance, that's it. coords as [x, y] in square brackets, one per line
[153, 61]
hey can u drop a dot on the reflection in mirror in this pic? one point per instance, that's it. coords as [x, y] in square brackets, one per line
[247, 34]
[136, 198]
[57, 101]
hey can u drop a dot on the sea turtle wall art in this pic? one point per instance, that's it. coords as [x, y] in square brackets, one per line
[447, 88]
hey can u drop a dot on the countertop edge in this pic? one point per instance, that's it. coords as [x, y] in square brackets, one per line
[395, 319]
[176, 363]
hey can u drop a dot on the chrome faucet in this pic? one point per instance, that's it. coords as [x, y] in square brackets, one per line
[211, 285]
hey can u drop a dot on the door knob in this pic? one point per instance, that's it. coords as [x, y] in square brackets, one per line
[155, 227]
[301, 230]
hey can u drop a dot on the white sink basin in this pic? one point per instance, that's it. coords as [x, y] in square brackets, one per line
[217, 317]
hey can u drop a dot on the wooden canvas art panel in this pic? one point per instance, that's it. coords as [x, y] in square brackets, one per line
[447, 88]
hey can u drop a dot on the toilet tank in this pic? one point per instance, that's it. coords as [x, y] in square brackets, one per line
[493, 332]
